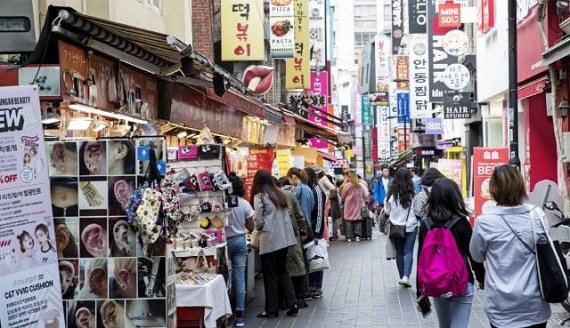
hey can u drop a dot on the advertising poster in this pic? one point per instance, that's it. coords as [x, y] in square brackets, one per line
[30, 285]
[282, 28]
[419, 72]
[298, 68]
[284, 161]
[317, 33]
[397, 25]
[484, 162]
[107, 273]
[402, 73]
[319, 87]
[403, 107]
[384, 134]
[452, 169]
[417, 16]
[258, 159]
[242, 30]
[366, 110]
[434, 125]
[382, 61]
[404, 139]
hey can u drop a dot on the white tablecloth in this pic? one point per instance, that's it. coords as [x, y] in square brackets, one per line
[213, 297]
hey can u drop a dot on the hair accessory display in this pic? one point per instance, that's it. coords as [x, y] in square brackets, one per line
[188, 153]
[215, 186]
[204, 181]
[209, 151]
[222, 180]
[192, 183]
[217, 206]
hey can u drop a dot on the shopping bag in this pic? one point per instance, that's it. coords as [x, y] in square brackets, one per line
[317, 255]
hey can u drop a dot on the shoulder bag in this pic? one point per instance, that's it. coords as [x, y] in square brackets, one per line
[550, 264]
[399, 231]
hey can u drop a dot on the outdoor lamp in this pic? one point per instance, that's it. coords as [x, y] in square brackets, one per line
[564, 106]
[562, 7]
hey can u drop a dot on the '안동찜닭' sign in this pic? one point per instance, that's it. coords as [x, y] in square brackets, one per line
[30, 289]
[242, 30]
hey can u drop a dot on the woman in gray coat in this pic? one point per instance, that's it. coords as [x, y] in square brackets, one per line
[273, 223]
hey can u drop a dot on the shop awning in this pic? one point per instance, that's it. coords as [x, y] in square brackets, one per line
[533, 88]
[320, 131]
[327, 156]
[554, 53]
[401, 158]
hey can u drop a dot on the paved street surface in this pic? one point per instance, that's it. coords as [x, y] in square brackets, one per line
[361, 290]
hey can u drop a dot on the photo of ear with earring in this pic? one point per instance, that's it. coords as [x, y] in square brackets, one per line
[124, 278]
[122, 238]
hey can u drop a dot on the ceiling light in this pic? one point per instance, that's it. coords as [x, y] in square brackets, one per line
[182, 134]
[100, 112]
[100, 127]
[51, 120]
[79, 124]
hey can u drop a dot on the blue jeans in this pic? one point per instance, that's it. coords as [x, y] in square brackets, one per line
[454, 312]
[237, 252]
[405, 253]
[316, 280]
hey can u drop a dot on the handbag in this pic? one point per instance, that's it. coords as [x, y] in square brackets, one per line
[317, 255]
[551, 270]
[399, 231]
[255, 239]
[202, 265]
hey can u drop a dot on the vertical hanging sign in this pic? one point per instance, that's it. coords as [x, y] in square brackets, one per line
[419, 72]
[366, 113]
[417, 16]
[298, 67]
[30, 289]
[382, 62]
[281, 29]
[317, 33]
[384, 134]
[397, 25]
[319, 88]
[242, 30]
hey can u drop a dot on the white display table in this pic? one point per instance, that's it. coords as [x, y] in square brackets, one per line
[212, 296]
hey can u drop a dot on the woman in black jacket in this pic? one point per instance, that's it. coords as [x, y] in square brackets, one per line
[445, 203]
[318, 222]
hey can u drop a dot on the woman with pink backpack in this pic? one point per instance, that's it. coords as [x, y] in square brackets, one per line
[445, 268]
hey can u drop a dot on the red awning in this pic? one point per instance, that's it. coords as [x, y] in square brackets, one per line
[239, 102]
[533, 88]
[327, 156]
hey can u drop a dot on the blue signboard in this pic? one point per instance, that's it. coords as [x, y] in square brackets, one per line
[403, 107]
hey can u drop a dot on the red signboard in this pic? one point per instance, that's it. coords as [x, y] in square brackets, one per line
[74, 72]
[404, 139]
[449, 15]
[258, 159]
[374, 144]
[484, 162]
[486, 15]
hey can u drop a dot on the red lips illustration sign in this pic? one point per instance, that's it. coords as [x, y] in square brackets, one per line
[319, 86]
[258, 79]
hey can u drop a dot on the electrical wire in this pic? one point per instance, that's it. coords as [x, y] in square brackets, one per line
[56, 20]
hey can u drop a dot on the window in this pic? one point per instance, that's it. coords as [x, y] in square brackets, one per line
[365, 12]
[155, 5]
[363, 38]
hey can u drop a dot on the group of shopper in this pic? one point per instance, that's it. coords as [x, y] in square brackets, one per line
[509, 276]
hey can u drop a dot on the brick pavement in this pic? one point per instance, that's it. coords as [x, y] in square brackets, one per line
[361, 290]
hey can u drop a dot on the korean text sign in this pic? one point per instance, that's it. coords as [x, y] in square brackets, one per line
[319, 87]
[298, 67]
[419, 76]
[484, 162]
[30, 289]
[242, 30]
[281, 28]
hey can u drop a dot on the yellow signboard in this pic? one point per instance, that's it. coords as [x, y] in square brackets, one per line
[299, 67]
[242, 30]
[284, 159]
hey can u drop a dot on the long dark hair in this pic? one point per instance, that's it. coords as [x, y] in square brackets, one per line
[430, 176]
[312, 177]
[402, 187]
[263, 183]
[445, 201]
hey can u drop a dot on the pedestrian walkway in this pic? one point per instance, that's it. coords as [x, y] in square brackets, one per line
[361, 290]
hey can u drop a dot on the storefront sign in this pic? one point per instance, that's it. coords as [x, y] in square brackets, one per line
[258, 159]
[457, 106]
[30, 289]
[384, 133]
[434, 125]
[104, 93]
[484, 162]
[417, 13]
[449, 14]
[456, 76]
[258, 79]
[319, 87]
[403, 107]
[74, 73]
[382, 57]
[419, 72]
[486, 15]
[404, 140]
[366, 111]
[397, 25]
[317, 33]
[142, 93]
[439, 60]
[456, 43]
[300, 102]
[425, 152]
[367, 140]
[381, 99]
[284, 161]
[281, 28]
[402, 73]
[298, 67]
[242, 30]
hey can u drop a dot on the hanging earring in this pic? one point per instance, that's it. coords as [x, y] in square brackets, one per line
[123, 285]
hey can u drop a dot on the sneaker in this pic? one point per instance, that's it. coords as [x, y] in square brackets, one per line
[317, 293]
[293, 311]
[357, 238]
[405, 282]
[239, 322]
[349, 240]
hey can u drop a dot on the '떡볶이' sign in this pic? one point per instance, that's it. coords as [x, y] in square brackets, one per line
[298, 67]
[242, 30]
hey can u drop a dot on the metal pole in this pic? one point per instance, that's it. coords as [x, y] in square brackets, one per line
[513, 97]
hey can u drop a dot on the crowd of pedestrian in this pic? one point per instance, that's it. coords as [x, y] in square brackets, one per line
[308, 205]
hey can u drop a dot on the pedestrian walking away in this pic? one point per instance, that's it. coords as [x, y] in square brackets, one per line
[353, 197]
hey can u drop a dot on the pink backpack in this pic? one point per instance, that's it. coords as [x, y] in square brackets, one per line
[442, 271]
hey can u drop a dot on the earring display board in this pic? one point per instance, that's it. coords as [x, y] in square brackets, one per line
[30, 288]
[107, 278]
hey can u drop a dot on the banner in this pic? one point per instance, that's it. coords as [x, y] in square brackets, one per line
[30, 289]
[367, 140]
[457, 106]
[258, 159]
[298, 68]
[384, 133]
[402, 73]
[439, 60]
[320, 88]
[242, 30]
[403, 107]
[486, 15]
[434, 125]
[419, 72]
[366, 111]
[281, 29]
[284, 161]
[404, 139]
[397, 25]
[317, 33]
[484, 162]
[374, 144]
[382, 57]
[417, 16]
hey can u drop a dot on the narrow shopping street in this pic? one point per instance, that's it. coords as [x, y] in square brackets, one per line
[361, 290]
